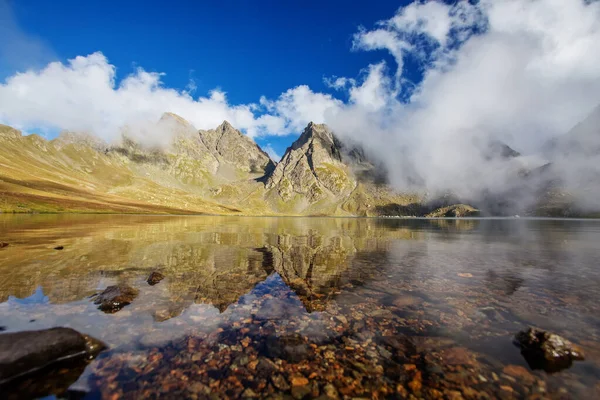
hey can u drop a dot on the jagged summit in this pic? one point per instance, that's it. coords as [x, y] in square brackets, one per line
[324, 135]
[169, 116]
[225, 125]
[175, 126]
[312, 167]
[232, 146]
[223, 153]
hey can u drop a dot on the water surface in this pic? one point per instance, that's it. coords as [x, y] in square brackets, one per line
[307, 307]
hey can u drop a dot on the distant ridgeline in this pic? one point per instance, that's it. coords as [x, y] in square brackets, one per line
[222, 171]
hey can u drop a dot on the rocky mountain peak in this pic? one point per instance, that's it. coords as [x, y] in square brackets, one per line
[312, 131]
[230, 145]
[225, 126]
[175, 126]
[312, 167]
[223, 153]
[172, 117]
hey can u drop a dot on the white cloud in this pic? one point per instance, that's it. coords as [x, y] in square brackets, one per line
[339, 83]
[299, 106]
[380, 39]
[517, 71]
[191, 87]
[423, 29]
[431, 18]
[375, 92]
[82, 95]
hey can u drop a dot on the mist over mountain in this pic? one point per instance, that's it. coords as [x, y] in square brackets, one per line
[222, 171]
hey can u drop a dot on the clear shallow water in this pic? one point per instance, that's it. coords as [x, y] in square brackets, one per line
[308, 306]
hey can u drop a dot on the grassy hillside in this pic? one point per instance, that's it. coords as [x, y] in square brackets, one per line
[49, 176]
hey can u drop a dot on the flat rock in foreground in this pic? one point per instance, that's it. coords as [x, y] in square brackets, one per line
[26, 352]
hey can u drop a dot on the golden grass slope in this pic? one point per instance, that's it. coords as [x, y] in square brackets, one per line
[37, 175]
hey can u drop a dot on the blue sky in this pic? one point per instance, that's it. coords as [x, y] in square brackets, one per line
[246, 48]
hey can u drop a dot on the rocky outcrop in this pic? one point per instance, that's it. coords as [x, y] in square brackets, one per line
[187, 152]
[229, 145]
[312, 168]
[454, 211]
[495, 149]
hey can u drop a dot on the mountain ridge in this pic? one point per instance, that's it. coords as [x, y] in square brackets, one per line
[215, 171]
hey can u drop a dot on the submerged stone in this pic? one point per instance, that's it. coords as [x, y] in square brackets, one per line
[546, 350]
[291, 347]
[113, 298]
[22, 353]
[154, 278]
[280, 383]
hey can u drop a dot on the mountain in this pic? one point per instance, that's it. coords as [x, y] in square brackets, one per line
[216, 155]
[171, 167]
[567, 183]
[184, 170]
[320, 175]
[230, 146]
[311, 169]
[582, 140]
[78, 173]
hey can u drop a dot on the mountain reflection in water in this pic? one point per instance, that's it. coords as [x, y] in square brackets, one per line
[309, 306]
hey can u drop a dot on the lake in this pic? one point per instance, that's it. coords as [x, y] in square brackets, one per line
[306, 307]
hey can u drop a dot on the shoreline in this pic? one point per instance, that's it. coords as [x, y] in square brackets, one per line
[388, 217]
